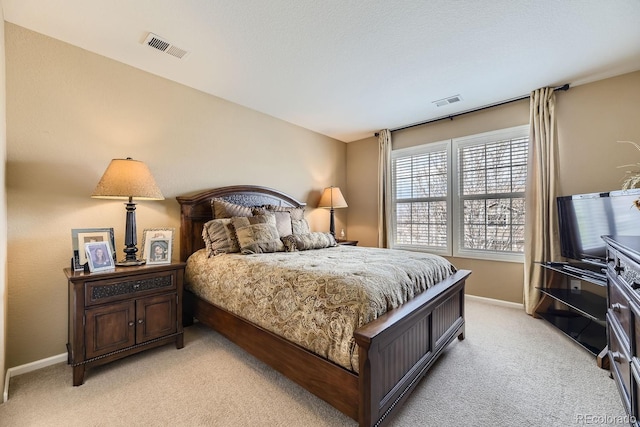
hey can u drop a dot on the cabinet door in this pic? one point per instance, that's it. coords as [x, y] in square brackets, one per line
[156, 317]
[109, 328]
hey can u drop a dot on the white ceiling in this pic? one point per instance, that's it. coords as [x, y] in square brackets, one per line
[347, 68]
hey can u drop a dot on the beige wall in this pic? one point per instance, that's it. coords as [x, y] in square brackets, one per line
[362, 185]
[69, 112]
[590, 118]
[3, 205]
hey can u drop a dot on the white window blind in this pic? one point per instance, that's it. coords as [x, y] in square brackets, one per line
[492, 177]
[471, 204]
[421, 193]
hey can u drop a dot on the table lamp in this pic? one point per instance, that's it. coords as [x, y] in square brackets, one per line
[128, 179]
[332, 198]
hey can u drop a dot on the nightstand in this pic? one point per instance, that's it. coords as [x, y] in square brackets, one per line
[117, 313]
[347, 242]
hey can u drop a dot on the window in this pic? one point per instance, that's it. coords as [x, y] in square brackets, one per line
[463, 197]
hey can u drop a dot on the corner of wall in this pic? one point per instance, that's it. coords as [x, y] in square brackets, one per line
[3, 203]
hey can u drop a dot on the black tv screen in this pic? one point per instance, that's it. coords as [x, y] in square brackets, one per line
[584, 218]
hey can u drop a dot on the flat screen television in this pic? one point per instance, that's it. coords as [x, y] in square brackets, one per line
[584, 218]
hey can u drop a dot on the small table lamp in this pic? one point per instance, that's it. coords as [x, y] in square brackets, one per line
[332, 198]
[126, 179]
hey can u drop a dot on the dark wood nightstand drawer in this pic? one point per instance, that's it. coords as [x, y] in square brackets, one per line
[620, 362]
[619, 309]
[634, 337]
[101, 291]
[629, 272]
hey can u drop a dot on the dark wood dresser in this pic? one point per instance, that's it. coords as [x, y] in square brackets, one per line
[623, 318]
[117, 313]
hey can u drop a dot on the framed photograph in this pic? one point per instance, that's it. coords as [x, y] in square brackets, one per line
[157, 245]
[99, 256]
[81, 236]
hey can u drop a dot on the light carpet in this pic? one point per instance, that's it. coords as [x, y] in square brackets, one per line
[510, 370]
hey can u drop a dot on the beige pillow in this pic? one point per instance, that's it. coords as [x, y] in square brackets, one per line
[283, 220]
[296, 213]
[219, 237]
[223, 209]
[257, 234]
[299, 224]
[303, 242]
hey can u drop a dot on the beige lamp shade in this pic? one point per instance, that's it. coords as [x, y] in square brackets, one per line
[332, 198]
[127, 178]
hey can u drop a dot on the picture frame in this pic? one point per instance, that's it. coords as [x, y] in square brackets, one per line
[157, 245]
[80, 236]
[99, 256]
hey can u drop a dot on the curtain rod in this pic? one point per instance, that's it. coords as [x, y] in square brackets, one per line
[564, 87]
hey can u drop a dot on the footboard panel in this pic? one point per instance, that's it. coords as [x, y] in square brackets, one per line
[397, 349]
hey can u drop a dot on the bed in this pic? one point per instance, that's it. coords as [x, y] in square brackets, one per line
[394, 351]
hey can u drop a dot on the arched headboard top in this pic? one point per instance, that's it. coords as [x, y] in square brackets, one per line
[195, 209]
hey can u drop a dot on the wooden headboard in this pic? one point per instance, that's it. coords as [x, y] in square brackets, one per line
[195, 210]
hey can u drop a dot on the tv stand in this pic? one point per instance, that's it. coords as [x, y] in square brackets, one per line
[574, 300]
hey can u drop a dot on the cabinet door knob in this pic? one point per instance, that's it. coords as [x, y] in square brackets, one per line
[619, 268]
[140, 321]
[635, 285]
[131, 323]
[616, 307]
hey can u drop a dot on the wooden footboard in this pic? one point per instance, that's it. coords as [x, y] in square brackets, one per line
[395, 350]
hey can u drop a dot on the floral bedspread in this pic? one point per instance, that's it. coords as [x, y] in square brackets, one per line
[315, 298]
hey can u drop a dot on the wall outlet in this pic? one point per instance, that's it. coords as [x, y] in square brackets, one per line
[576, 286]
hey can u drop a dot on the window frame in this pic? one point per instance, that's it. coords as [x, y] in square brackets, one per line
[459, 251]
[455, 215]
[416, 150]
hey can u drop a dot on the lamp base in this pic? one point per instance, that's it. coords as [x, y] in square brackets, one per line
[130, 240]
[130, 263]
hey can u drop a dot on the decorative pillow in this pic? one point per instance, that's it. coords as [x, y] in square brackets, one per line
[223, 209]
[303, 242]
[283, 220]
[257, 234]
[296, 213]
[299, 224]
[219, 237]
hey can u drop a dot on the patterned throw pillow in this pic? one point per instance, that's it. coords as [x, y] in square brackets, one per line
[219, 237]
[257, 234]
[223, 209]
[300, 226]
[303, 242]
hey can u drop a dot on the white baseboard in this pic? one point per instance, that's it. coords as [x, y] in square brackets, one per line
[29, 367]
[495, 301]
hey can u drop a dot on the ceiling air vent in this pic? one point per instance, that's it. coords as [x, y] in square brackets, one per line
[157, 42]
[447, 101]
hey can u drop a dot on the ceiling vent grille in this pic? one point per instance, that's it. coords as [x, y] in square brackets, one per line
[447, 101]
[158, 43]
